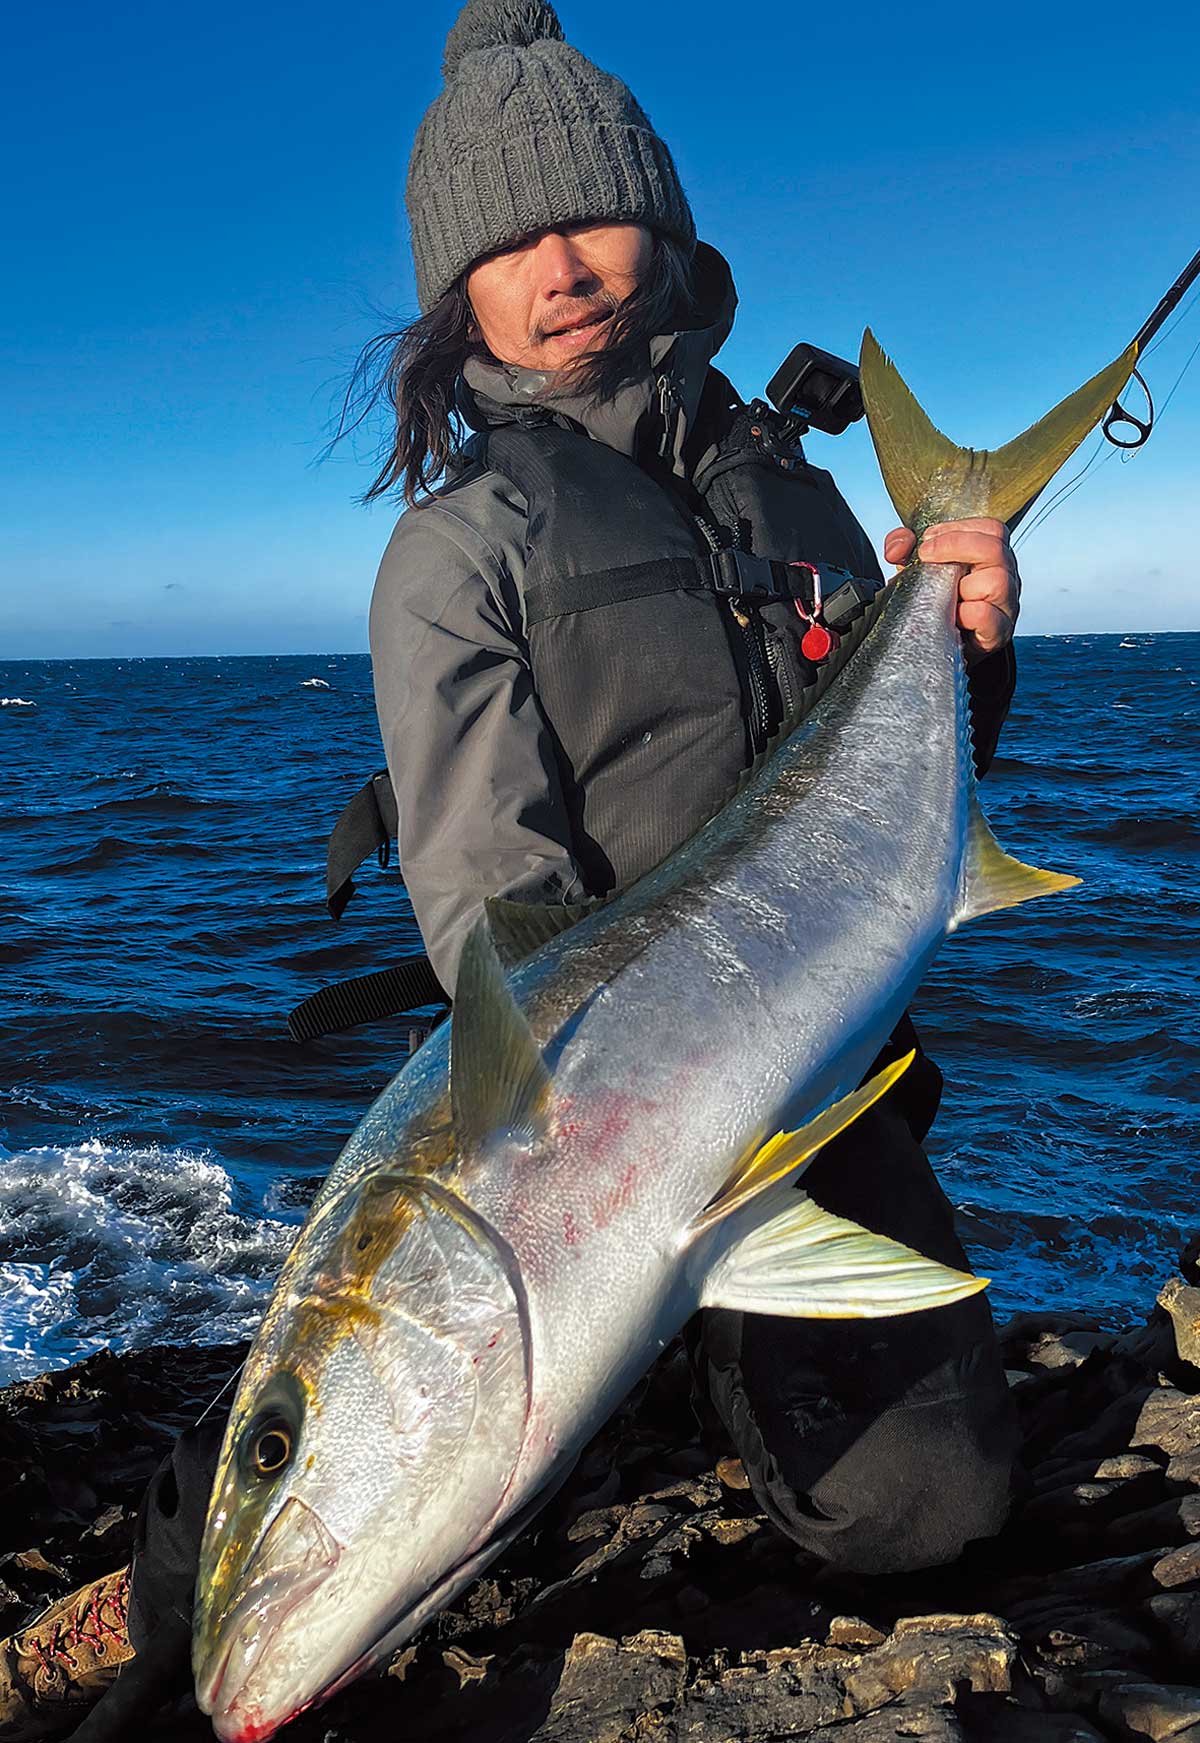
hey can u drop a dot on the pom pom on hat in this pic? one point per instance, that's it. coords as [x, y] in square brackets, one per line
[498, 24]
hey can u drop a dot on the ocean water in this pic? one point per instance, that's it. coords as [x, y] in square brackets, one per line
[162, 830]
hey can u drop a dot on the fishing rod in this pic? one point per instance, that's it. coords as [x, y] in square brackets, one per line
[1117, 413]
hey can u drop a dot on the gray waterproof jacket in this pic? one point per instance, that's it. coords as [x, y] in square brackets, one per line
[469, 750]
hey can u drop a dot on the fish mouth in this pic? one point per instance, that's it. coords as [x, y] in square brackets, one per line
[307, 1556]
[222, 1678]
[221, 1681]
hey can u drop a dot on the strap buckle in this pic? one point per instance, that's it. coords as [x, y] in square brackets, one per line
[749, 577]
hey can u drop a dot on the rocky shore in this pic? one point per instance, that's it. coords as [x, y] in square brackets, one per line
[651, 1604]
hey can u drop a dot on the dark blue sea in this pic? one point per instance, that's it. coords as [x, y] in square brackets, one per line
[162, 835]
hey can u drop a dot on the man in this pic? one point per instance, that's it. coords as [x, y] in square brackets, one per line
[576, 652]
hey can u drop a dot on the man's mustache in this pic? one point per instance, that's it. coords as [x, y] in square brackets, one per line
[574, 314]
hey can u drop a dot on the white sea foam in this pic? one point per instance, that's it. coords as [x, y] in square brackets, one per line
[315, 684]
[21, 702]
[101, 1246]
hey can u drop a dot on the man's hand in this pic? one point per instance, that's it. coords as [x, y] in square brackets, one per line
[989, 594]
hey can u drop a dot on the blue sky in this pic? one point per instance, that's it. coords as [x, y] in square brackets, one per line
[208, 217]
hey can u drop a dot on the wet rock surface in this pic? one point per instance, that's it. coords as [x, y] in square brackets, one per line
[651, 1603]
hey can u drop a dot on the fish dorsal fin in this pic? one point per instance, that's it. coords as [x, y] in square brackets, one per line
[520, 928]
[993, 879]
[498, 1079]
[929, 478]
[763, 1165]
[795, 1258]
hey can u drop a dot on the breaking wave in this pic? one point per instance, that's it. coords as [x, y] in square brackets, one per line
[131, 1246]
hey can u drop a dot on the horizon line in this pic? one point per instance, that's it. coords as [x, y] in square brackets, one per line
[364, 654]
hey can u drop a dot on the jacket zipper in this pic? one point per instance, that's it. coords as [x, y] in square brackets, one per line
[668, 403]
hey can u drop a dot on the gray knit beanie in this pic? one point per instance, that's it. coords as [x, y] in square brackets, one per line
[526, 135]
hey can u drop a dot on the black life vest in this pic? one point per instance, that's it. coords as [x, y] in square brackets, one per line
[663, 629]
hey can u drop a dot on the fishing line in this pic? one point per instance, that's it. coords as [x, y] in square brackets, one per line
[213, 1402]
[1065, 490]
[1179, 378]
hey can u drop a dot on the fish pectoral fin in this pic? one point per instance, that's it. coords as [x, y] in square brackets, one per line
[498, 1078]
[765, 1164]
[799, 1260]
[924, 470]
[993, 879]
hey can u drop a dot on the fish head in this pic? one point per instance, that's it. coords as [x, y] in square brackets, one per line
[370, 1456]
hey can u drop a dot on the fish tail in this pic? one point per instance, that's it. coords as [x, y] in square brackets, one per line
[929, 479]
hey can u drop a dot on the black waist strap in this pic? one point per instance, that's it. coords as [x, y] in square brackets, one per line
[365, 999]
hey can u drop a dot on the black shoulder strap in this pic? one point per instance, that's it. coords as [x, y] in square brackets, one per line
[367, 825]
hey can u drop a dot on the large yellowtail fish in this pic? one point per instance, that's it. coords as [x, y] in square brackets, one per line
[607, 1136]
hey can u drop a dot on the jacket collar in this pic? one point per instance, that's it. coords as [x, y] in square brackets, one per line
[659, 408]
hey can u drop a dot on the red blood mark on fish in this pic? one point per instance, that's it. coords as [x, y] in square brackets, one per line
[567, 1127]
[570, 1229]
[613, 1123]
[611, 1204]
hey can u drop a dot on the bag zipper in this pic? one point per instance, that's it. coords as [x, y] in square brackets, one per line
[777, 660]
[758, 666]
[755, 649]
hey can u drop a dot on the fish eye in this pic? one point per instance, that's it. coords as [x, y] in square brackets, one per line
[269, 1447]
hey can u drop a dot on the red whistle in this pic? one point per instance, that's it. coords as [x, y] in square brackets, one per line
[817, 643]
[818, 640]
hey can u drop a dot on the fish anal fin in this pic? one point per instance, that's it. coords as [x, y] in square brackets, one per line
[930, 478]
[801, 1261]
[765, 1164]
[498, 1078]
[993, 879]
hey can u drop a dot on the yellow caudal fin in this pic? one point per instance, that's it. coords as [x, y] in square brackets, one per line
[791, 1257]
[993, 879]
[765, 1164]
[930, 479]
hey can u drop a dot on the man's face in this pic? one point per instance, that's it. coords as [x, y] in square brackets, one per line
[544, 302]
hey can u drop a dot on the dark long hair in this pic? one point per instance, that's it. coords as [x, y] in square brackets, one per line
[415, 370]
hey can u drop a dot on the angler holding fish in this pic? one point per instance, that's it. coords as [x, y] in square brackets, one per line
[615, 614]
